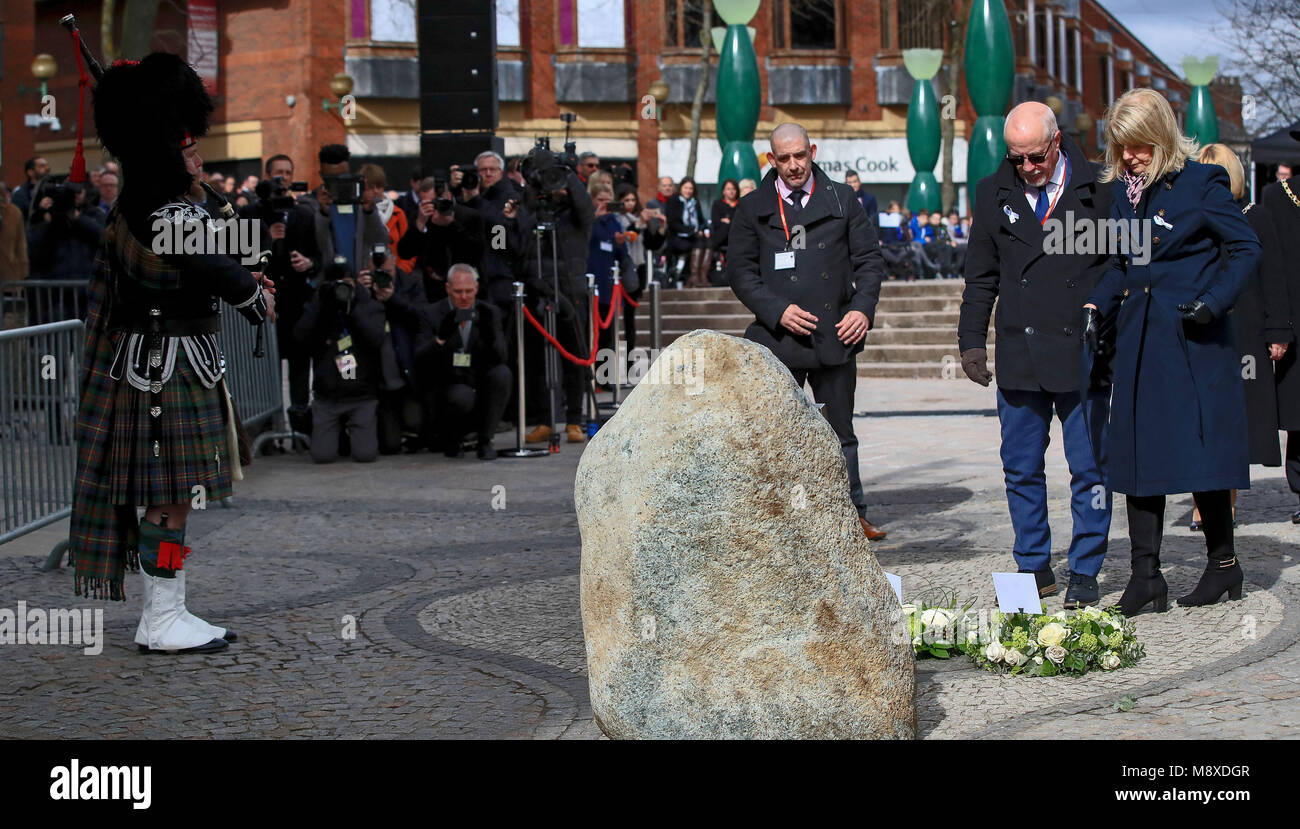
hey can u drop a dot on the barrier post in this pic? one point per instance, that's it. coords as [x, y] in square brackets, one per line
[520, 451]
[655, 336]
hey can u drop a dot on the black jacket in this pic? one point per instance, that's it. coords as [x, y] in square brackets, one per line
[839, 270]
[573, 222]
[1039, 296]
[486, 346]
[319, 329]
[681, 236]
[437, 248]
[498, 271]
[720, 231]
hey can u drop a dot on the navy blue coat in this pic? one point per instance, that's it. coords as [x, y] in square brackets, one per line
[1178, 415]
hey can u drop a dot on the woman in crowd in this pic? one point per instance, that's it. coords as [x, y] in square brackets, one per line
[720, 223]
[688, 240]
[607, 249]
[642, 232]
[1178, 415]
[1261, 327]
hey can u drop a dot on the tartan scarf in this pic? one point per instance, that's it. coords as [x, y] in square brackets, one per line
[103, 537]
[1133, 185]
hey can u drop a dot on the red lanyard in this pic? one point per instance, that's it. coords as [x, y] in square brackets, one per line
[780, 202]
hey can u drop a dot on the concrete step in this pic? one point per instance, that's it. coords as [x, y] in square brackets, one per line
[911, 353]
[719, 322]
[922, 287]
[925, 370]
[702, 307]
[917, 319]
[889, 304]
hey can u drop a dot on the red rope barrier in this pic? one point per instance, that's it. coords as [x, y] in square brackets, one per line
[590, 361]
[613, 307]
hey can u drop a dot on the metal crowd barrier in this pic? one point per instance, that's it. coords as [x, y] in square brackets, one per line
[39, 370]
[39, 301]
[255, 383]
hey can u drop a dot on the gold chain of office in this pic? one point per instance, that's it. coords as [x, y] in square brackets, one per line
[1287, 188]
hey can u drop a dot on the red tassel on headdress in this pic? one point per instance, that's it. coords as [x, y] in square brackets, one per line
[77, 174]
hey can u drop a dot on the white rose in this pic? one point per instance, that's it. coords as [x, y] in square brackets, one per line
[1014, 658]
[1038, 660]
[916, 641]
[1062, 616]
[972, 636]
[1056, 653]
[1091, 612]
[909, 609]
[1110, 661]
[994, 652]
[936, 617]
[1052, 634]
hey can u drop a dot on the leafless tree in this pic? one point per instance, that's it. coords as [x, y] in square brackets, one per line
[1262, 37]
[701, 86]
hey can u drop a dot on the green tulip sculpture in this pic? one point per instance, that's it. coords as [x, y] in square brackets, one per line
[923, 128]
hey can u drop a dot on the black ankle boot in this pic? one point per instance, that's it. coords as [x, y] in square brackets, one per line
[1222, 572]
[1146, 584]
[1219, 577]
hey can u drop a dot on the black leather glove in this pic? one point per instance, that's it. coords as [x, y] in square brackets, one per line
[975, 362]
[1092, 330]
[1197, 311]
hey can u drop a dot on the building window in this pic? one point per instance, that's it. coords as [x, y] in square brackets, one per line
[920, 23]
[392, 20]
[508, 23]
[807, 24]
[591, 24]
[684, 19]
[1041, 40]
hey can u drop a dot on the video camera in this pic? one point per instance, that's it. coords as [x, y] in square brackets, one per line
[344, 189]
[381, 277]
[63, 193]
[275, 198]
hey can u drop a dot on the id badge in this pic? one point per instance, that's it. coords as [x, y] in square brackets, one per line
[344, 208]
[347, 364]
[345, 342]
[608, 247]
[784, 260]
[460, 359]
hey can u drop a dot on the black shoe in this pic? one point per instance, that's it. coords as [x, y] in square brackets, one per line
[1219, 577]
[453, 450]
[1082, 592]
[1295, 517]
[1046, 582]
[209, 647]
[230, 636]
[1196, 527]
[486, 452]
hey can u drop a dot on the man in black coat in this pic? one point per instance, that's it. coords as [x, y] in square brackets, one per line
[803, 256]
[1022, 211]
[466, 361]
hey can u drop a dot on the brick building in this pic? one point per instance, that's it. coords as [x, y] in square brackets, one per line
[834, 65]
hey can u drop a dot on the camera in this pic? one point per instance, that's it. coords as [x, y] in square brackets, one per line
[344, 189]
[381, 278]
[61, 191]
[442, 201]
[335, 285]
[544, 170]
[275, 197]
[469, 179]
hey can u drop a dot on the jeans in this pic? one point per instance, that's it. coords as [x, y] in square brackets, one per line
[1026, 418]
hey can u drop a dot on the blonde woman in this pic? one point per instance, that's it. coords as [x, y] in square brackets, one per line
[1178, 415]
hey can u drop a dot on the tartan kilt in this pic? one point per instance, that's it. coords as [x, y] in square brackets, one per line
[191, 436]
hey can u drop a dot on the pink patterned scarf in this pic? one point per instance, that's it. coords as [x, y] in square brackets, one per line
[1133, 187]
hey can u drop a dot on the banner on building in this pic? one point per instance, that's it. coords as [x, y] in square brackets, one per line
[201, 41]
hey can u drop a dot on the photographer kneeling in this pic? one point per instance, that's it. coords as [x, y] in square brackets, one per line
[405, 404]
[466, 362]
[343, 328]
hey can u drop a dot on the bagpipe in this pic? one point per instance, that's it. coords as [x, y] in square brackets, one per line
[88, 63]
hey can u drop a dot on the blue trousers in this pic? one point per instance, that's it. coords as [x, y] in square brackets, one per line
[1026, 418]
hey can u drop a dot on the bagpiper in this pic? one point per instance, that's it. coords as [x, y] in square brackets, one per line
[155, 423]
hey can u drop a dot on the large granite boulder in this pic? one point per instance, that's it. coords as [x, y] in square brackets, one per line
[727, 588]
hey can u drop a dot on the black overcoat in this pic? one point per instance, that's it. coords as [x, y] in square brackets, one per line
[838, 269]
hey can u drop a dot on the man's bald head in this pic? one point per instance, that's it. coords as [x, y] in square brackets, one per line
[792, 154]
[1031, 131]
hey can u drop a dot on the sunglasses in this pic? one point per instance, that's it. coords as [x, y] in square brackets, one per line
[1034, 158]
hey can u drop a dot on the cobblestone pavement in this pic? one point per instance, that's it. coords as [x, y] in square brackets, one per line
[466, 616]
